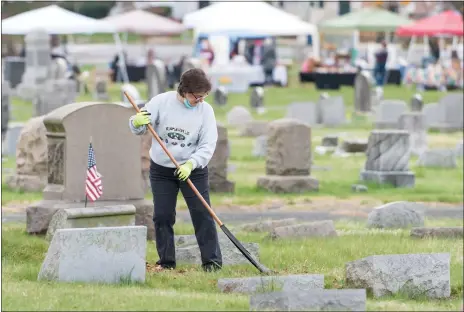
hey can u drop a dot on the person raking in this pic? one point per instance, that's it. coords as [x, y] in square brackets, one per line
[187, 126]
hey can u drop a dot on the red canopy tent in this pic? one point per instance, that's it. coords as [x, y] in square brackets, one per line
[445, 23]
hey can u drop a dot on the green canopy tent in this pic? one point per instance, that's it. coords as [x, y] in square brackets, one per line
[366, 19]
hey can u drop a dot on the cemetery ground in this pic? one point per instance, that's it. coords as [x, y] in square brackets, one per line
[189, 288]
[335, 174]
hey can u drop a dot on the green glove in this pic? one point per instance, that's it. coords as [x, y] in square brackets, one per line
[141, 119]
[184, 171]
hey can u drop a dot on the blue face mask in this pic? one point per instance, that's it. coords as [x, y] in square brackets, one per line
[187, 103]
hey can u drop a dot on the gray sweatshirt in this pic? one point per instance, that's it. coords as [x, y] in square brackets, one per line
[188, 133]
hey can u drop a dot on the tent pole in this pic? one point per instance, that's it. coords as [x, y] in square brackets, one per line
[410, 48]
[123, 68]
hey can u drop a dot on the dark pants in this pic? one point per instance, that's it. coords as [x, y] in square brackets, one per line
[165, 187]
[380, 72]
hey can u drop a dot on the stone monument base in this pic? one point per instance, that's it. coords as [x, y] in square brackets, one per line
[397, 178]
[288, 184]
[386, 125]
[222, 187]
[40, 214]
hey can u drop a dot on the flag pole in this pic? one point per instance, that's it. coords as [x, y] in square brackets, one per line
[86, 197]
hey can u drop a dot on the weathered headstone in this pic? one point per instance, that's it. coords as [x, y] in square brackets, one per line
[154, 81]
[123, 215]
[31, 158]
[14, 68]
[438, 232]
[38, 63]
[254, 128]
[438, 158]
[388, 153]
[330, 140]
[410, 274]
[220, 96]
[332, 111]
[414, 123]
[362, 92]
[388, 113]
[189, 252]
[69, 129]
[452, 104]
[417, 103]
[257, 97]
[396, 215]
[322, 98]
[354, 145]
[310, 300]
[260, 146]
[100, 255]
[218, 165]
[306, 112]
[238, 116]
[54, 94]
[325, 228]
[267, 225]
[433, 115]
[288, 159]
[260, 284]
[12, 137]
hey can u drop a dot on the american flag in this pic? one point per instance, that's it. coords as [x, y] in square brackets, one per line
[93, 183]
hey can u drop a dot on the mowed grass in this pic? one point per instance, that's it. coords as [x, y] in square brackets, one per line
[432, 185]
[189, 288]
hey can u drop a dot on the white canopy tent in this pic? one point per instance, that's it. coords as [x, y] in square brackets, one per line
[258, 17]
[58, 21]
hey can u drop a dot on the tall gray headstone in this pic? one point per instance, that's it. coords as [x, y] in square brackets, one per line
[433, 115]
[417, 103]
[453, 104]
[333, 111]
[38, 63]
[414, 123]
[388, 114]
[324, 96]
[305, 112]
[154, 83]
[54, 94]
[362, 92]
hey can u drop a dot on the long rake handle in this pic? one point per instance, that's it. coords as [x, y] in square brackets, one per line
[161, 143]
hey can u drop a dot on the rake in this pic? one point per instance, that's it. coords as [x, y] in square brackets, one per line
[223, 227]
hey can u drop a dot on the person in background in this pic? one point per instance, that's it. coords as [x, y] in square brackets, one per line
[269, 60]
[207, 52]
[380, 69]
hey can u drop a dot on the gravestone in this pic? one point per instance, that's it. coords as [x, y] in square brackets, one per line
[332, 111]
[254, 128]
[306, 112]
[220, 96]
[73, 218]
[38, 63]
[437, 232]
[310, 300]
[414, 123]
[452, 104]
[324, 228]
[69, 129]
[99, 255]
[260, 146]
[438, 158]
[257, 97]
[411, 274]
[133, 93]
[396, 215]
[362, 92]
[100, 89]
[322, 99]
[5, 109]
[12, 137]
[433, 115]
[217, 166]
[388, 153]
[31, 158]
[54, 94]
[14, 68]
[238, 116]
[267, 225]
[388, 113]
[154, 83]
[288, 159]
[417, 103]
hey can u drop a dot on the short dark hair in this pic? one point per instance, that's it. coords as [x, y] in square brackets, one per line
[194, 81]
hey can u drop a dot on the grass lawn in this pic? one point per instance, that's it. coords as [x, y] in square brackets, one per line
[432, 185]
[189, 288]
